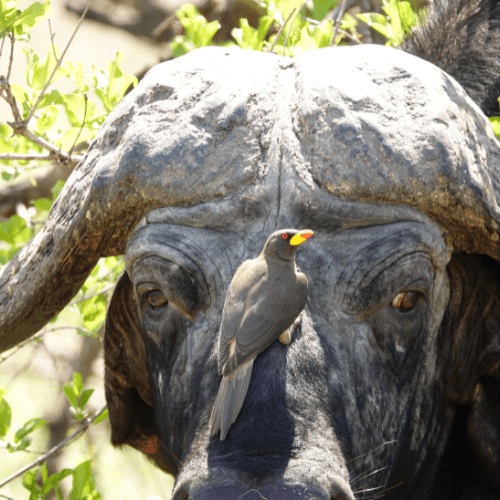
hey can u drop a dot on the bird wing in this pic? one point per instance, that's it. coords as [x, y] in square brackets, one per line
[265, 321]
[234, 306]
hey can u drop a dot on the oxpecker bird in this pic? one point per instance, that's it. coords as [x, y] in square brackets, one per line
[265, 297]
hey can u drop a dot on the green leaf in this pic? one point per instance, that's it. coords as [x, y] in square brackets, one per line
[70, 395]
[23, 97]
[43, 472]
[495, 123]
[378, 22]
[250, 38]
[53, 97]
[77, 383]
[103, 416]
[30, 17]
[42, 70]
[84, 483]
[42, 204]
[198, 31]
[84, 398]
[8, 16]
[119, 81]
[15, 232]
[23, 445]
[285, 7]
[56, 190]
[54, 480]
[29, 427]
[400, 20]
[76, 71]
[75, 107]
[315, 37]
[5, 415]
[29, 482]
[322, 7]
[93, 311]
[45, 119]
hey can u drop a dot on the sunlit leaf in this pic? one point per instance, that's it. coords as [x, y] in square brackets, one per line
[54, 479]
[42, 204]
[29, 482]
[47, 117]
[70, 395]
[5, 415]
[84, 398]
[29, 427]
[32, 16]
[495, 123]
[103, 416]
[84, 483]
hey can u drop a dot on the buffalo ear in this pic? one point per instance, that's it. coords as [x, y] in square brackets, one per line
[470, 357]
[126, 377]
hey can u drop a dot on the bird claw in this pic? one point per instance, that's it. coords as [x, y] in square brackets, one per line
[286, 337]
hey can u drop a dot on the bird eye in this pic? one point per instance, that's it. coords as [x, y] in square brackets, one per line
[405, 301]
[284, 236]
[156, 299]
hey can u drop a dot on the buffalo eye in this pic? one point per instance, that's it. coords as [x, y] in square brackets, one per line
[405, 301]
[156, 299]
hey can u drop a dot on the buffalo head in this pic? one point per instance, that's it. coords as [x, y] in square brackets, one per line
[395, 359]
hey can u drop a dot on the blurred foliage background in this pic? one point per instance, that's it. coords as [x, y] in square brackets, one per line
[53, 102]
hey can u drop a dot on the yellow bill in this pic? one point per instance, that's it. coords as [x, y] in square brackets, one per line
[300, 237]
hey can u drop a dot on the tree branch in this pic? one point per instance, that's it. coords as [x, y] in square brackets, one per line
[6, 93]
[56, 153]
[38, 157]
[281, 29]
[11, 58]
[40, 460]
[291, 24]
[59, 62]
[337, 21]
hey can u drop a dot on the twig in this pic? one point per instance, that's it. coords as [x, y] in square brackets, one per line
[6, 93]
[11, 58]
[1, 46]
[19, 128]
[40, 460]
[52, 42]
[81, 128]
[39, 335]
[38, 157]
[20, 346]
[337, 21]
[341, 31]
[291, 24]
[86, 297]
[59, 62]
[281, 29]
[351, 37]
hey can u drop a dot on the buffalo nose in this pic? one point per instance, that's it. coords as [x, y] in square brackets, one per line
[276, 491]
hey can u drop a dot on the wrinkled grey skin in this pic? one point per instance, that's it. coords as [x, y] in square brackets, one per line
[396, 171]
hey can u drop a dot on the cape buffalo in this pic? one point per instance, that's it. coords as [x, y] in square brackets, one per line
[389, 385]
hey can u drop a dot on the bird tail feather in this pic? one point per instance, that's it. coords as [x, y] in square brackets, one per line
[232, 392]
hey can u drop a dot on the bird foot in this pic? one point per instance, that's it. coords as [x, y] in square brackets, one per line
[285, 337]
